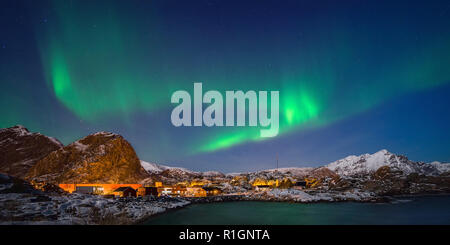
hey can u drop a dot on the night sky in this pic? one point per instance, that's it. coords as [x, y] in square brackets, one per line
[354, 76]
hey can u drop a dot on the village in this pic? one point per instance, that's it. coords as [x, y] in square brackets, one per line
[194, 188]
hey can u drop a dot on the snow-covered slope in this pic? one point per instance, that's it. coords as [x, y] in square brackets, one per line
[441, 167]
[213, 174]
[154, 168]
[296, 171]
[172, 175]
[369, 163]
[349, 166]
[292, 170]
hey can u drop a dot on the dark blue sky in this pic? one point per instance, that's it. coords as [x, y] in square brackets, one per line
[354, 76]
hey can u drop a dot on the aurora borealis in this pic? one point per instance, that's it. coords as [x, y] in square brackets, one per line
[353, 76]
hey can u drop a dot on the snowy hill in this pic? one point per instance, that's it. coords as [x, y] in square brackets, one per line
[154, 168]
[349, 166]
[292, 170]
[173, 175]
[369, 163]
[441, 167]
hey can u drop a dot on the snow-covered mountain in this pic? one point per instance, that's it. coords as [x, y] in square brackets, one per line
[350, 166]
[108, 158]
[20, 149]
[175, 173]
[154, 168]
[369, 163]
[213, 174]
[299, 171]
[441, 167]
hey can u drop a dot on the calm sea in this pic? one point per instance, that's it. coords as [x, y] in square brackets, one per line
[407, 210]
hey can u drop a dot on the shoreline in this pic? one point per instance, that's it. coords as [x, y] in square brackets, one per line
[73, 209]
[211, 200]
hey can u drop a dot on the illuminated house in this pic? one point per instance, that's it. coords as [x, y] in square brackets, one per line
[107, 188]
[124, 192]
[165, 191]
[178, 191]
[195, 192]
[147, 191]
[273, 183]
[262, 187]
[212, 191]
[199, 182]
[239, 181]
[93, 190]
[263, 182]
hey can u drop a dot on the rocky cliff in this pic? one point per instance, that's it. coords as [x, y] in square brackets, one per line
[21, 150]
[98, 158]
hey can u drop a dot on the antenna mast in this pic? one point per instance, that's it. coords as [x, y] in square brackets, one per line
[277, 161]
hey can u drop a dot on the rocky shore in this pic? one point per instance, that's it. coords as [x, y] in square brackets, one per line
[291, 195]
[20, 209]
[20, 204]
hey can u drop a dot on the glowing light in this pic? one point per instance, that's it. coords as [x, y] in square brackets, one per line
[332, 72]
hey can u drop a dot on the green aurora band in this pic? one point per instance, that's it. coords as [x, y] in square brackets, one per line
[99, 64]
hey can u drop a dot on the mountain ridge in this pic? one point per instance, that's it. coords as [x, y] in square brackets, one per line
[85, 154]
[369, 163]
[102, 157]
[20, 149]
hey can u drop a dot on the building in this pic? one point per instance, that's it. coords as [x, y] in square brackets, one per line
[93, 190]
[147, 191]
[178, 191]
[262, 187]
[199, 182]
[164, 191]
[124, 192]
[107, 188]
[300, 185]
[195, 191]
[158, 184]
[212, 191]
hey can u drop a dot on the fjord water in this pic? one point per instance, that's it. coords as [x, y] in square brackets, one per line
[432, 210]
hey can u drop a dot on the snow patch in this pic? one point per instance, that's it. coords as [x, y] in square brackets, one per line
[79, 146]
[441, 167]
[156, 168]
